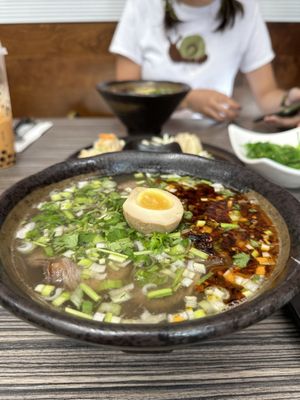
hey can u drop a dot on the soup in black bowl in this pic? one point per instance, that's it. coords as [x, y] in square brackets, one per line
[143, 106]
[142, 255]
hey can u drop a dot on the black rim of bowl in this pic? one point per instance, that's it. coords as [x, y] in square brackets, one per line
[105, 87]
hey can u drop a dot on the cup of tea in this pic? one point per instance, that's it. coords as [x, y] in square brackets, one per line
[7, 151]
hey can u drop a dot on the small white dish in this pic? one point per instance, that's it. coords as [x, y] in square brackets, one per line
[272, 170]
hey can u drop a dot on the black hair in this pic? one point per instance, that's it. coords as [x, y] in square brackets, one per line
[226, 15]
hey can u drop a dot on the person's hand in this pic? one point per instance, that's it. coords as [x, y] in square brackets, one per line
[293, 96]
[213, 104]
[286, 122]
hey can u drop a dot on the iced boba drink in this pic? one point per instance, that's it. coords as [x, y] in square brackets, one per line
[7, 151]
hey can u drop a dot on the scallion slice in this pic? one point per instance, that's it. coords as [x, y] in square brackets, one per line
[77, 313]
[199, 253]
[90, 292]
[157, 294]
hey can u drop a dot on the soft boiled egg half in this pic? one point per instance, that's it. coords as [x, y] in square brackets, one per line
[152, 210]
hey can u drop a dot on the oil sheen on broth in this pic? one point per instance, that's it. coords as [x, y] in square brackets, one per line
[86, 257]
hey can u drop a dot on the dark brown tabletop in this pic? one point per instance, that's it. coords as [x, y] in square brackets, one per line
[261, 362]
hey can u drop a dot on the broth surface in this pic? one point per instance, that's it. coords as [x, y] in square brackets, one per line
[76, 252]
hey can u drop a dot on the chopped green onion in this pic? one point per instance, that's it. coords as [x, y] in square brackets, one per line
[113, 308]
[120, 295]
[200, 223]
[227, 226]
[199, 253]
[87, 307]
[86, 274]
[204, 278]
[113, 253]
[66, 205]
[241, 260]
[175, 235]
[108, 317]
[188, 215]
[235, 215]
[199, 313]
[85, 262]
[110, 284]
[39, 243]
[284, 154]
[177, 280]
[90, 292]
[66, 195]
[76, 297]
[77, 313]
[254, 243]
[39, 288]
[142, 252]
[55, 197]
[61, 299]
[120, 258]
[268, 232]
[176, 250]
[255, 253]
[157, 294]
[138, 175]
[26, 247]
[49, 251]
[47, 290]
[68, 214]
[209, 183]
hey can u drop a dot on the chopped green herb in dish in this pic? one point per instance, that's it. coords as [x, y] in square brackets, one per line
[283, 154]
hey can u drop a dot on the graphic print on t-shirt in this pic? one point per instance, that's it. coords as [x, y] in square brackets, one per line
[189, 49]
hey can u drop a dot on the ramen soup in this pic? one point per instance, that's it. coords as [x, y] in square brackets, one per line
[145, 90]
[144, 248]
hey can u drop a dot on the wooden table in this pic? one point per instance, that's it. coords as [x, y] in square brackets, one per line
[261, 362]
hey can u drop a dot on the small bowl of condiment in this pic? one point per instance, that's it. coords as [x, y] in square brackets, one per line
[276, 156]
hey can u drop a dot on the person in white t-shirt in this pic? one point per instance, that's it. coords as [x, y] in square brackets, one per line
[203, 43]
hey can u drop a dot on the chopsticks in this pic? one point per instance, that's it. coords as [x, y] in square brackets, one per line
[287, 111]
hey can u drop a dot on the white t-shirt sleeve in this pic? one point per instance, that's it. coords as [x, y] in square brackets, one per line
[126, 37]
[258, 50]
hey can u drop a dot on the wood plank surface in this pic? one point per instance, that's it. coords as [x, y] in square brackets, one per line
[261, 362]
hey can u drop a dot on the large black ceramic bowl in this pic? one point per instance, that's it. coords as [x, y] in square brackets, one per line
[143, 106]
[143, 337]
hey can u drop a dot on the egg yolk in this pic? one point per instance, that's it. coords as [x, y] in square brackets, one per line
[154, 200]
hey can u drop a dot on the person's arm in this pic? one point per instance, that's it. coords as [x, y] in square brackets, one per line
[270, 97]
[264, 88]
[126, 69]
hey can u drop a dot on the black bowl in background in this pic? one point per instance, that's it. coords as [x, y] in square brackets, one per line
[143, 106]
[147, 337]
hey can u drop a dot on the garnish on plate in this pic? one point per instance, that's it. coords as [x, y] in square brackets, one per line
[189, 143]
[106, 143]
[283, 154]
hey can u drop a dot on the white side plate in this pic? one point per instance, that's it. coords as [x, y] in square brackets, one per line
[275, 172]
